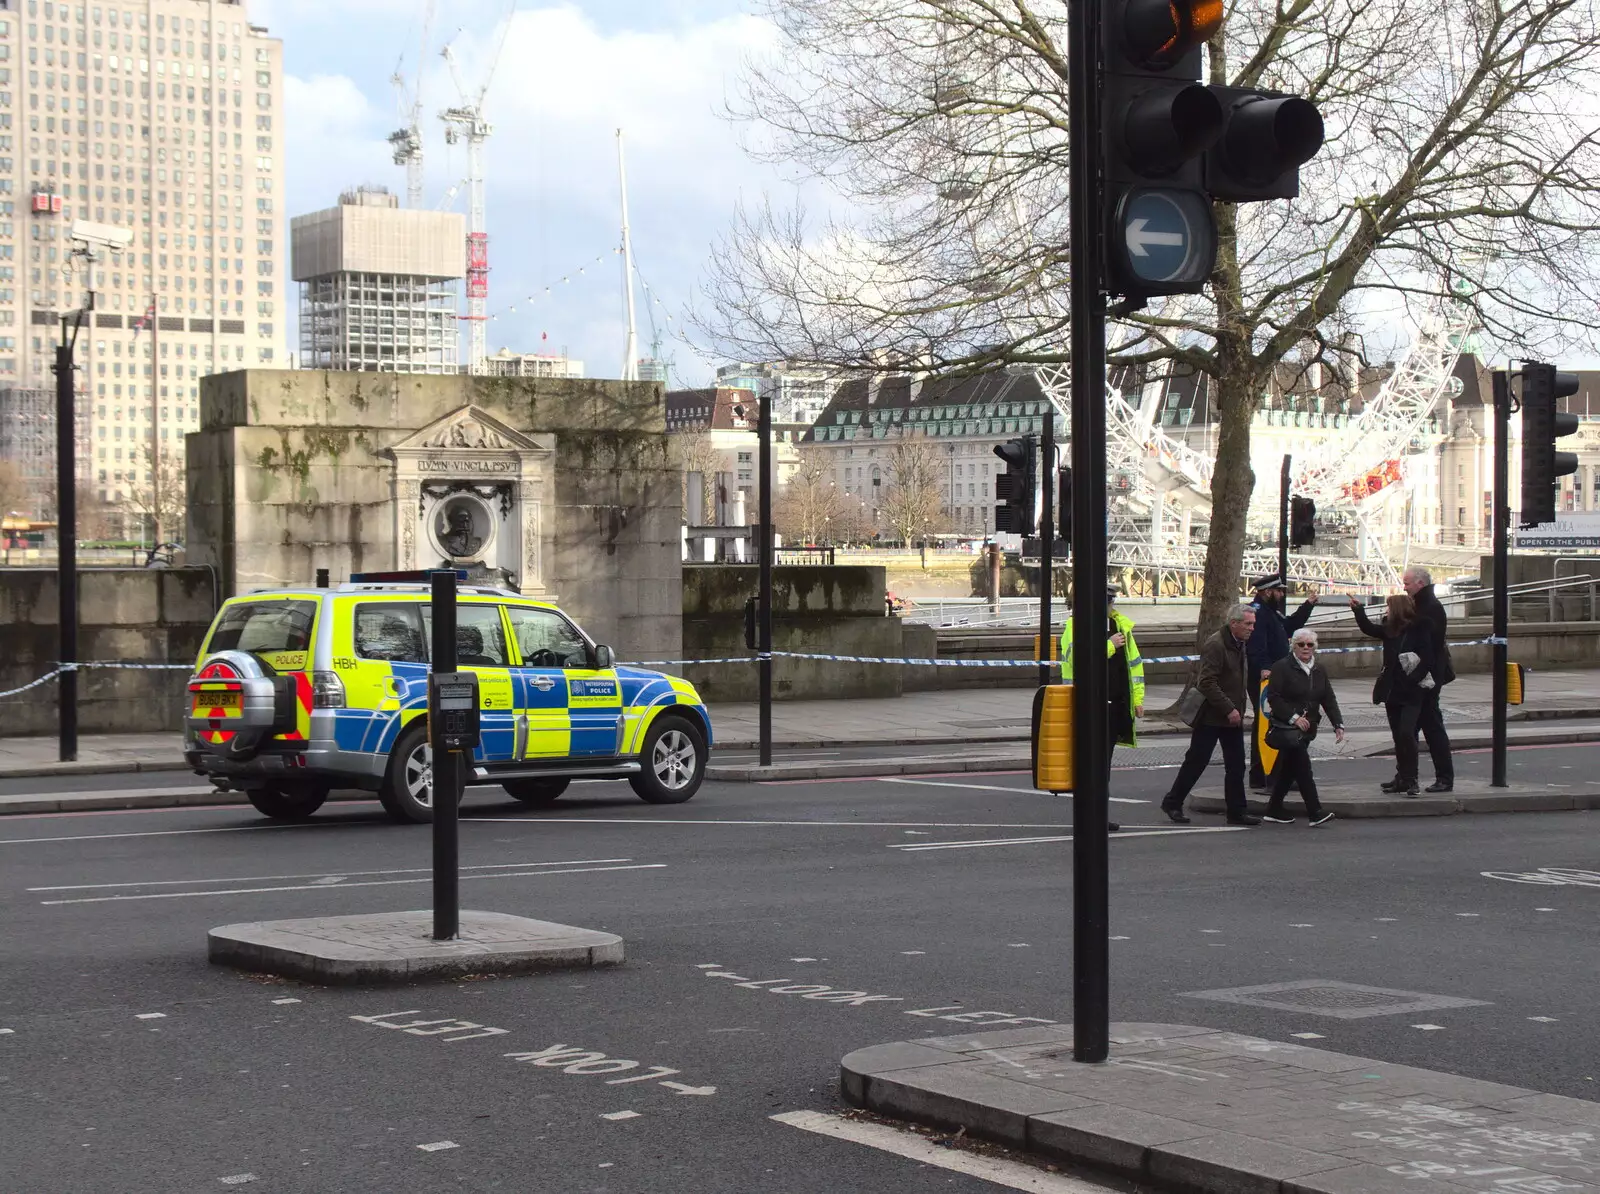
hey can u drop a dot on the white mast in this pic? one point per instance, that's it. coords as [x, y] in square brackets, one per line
[630, 351]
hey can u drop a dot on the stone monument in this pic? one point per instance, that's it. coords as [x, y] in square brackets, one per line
[558, 487]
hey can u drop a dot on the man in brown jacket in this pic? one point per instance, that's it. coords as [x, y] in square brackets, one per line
[1224, 667]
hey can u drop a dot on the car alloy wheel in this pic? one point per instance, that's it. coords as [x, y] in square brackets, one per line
[673, 760]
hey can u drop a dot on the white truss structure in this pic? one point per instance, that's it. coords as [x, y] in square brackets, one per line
[1159, 488]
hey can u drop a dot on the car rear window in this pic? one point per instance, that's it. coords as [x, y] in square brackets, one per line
[264, 627]
[391, 632]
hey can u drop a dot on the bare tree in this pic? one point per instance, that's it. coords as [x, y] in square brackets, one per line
[695, 454]
[1461, 165]
[157, 495]
[809, 500]
[913, 500]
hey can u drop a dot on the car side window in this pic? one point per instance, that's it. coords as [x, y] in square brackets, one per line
[546, 639]
[390, 632]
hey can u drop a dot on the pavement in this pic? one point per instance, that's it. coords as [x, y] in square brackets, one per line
[772, 929]
[1192, 1109]
[986, 717]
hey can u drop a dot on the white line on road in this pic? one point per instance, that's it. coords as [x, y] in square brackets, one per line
[174, 895]
[95, 837]
[917, 847]
[414, 870]
[1013, 1175]
[686, 821]
[939, 783]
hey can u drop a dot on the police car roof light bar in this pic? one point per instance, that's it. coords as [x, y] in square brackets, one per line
[413, 578]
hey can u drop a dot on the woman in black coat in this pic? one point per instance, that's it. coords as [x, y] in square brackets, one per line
[1298, 692]
[1409, 657]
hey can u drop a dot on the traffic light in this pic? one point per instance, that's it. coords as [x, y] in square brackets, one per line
[1064, 507]
[1266, 138]
[1302, 522]
[1017, 487]
[1171, 144]
[1541, 427]
[1159, 120]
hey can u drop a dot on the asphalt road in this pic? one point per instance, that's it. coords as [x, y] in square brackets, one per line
[770, 929]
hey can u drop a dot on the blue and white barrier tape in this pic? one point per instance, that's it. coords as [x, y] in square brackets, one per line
[1490, 641]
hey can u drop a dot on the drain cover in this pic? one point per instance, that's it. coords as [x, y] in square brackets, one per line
[1326, 997]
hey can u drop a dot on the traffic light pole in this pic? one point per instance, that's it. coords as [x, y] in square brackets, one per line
[447, 773]
[1283, 521]
[764, 579]
[1047, 537]
[1091, 951]
[1502, 599]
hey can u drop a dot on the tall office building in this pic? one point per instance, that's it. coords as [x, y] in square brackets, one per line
[377, 285]
[163, 117]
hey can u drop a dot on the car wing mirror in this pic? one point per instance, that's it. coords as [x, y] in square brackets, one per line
[604, 657]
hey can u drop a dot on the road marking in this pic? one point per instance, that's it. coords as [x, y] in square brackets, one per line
[327, 875]
[1308, 1036]
[912, 952]
[438, 1145]
[615, 1115]
[151, 1016]
[178, 895]
[791, 824]
[1429, 1027]
[1543, 1019]
[96, 837]
[1013, 1175]
[978, 843]
[239, 1179]
[286, 1001]
[934, 783]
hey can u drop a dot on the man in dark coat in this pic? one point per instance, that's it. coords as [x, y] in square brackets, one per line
[1430, 610]
[1268, 644]
[1222, 682]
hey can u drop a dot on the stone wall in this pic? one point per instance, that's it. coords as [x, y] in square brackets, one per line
[822, 610]
[132, 615]
[289, 473]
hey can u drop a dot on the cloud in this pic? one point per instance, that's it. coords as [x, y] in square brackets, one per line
[564, 84]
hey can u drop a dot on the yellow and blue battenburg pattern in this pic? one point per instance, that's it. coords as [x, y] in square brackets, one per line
[528, 712]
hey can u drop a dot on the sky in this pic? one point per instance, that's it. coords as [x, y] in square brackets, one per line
[568, 77]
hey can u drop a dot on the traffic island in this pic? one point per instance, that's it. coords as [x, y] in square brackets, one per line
[1364, 799]
[398, 947]
[1198, 1111]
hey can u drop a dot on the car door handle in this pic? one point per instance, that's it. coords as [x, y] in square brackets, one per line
[543, 683]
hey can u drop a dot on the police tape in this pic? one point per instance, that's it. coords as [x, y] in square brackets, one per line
[895, 660]
[1490, 641]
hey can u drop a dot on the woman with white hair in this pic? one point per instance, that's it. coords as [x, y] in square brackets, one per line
[1298, 692]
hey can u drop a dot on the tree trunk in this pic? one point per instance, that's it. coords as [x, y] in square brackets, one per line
[1232, 483]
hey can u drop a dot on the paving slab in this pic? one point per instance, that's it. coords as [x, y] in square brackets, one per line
[394, 947]
[1198, 1111]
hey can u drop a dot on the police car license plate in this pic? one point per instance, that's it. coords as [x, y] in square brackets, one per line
[218, 700]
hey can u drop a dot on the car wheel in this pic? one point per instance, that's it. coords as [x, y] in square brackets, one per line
[407, 792]
[672, 762]
[288, 803]
[536, 791]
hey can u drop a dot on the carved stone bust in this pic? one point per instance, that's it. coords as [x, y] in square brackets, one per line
[457, 532]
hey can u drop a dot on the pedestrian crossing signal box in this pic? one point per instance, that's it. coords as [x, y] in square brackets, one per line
[1052, 738]
[453, 718]
[1515, 676]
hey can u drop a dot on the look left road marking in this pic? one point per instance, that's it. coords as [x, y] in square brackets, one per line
[1013, 1175]
[178, 895]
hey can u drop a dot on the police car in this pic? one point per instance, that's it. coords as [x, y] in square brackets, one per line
[300, 691]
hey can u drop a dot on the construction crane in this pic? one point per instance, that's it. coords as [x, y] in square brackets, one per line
[465, 122]
[407, 140]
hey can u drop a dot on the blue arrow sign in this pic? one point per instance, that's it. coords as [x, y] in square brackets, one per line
[1168, 237]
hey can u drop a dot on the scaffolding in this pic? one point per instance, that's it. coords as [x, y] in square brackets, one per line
[28, 441]
[386, 323]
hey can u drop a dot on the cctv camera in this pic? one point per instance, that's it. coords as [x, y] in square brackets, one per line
[102, 235]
